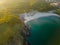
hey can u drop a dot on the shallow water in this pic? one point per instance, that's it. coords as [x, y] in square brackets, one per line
[35, 14]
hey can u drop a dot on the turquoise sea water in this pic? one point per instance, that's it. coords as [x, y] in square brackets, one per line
[44, 31]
